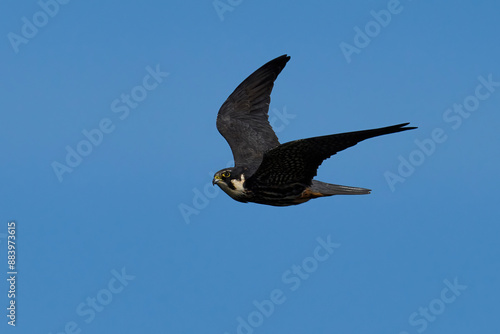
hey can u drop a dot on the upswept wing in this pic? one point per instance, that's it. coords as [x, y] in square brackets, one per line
[243, 118]
[297, 161]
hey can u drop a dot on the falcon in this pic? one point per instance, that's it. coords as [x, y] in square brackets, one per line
[265, 171]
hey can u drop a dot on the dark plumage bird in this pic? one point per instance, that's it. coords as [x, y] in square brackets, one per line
[266, 171]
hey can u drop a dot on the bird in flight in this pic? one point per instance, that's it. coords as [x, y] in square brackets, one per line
[265, 171]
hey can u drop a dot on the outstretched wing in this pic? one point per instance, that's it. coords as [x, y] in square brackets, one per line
[298, 161]
[243, 118]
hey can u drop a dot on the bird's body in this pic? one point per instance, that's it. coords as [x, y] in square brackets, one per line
[267, 172]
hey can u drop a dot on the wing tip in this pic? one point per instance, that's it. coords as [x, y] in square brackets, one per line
[278, 62]
[397, 128]
[403, 126]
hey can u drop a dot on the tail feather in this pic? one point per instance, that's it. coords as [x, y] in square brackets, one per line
[327, 189]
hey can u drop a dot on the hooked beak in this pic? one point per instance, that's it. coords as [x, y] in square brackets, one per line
[216, 179]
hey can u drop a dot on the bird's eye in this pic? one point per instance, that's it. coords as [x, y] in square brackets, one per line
[226, 174]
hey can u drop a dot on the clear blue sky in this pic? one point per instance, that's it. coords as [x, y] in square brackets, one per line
[109, 144]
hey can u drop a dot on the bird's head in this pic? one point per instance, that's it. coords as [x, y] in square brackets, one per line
[231, 180]
[225, 176]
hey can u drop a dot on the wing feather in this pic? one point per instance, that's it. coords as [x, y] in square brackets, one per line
[297, 161]
[243, 118]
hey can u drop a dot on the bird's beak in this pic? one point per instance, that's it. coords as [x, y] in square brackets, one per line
[216, 179]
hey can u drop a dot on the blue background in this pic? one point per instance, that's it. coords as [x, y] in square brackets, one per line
[121, 207]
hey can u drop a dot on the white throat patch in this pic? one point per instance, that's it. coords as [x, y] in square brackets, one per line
[238, 184]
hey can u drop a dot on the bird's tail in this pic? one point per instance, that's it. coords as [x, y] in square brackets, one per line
[326, 189]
